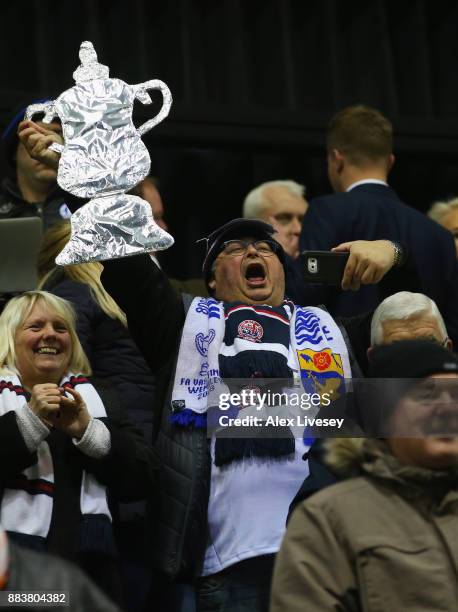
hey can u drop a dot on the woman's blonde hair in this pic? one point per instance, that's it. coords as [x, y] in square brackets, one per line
[53, 242]
[14, 314]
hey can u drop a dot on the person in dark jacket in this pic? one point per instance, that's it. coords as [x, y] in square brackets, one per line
[228, 550]
[365, 207]
[28, 187]
[68, 453]
[26, 575]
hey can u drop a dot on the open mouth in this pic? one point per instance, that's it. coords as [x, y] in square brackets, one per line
[46, 350]
[443, 427]
[255, 274]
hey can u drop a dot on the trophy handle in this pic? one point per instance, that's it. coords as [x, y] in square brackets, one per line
[45, 107]
[50, 112]
[142, 95]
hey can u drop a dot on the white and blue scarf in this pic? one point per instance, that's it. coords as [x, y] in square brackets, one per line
[223, 341]
[27, 504]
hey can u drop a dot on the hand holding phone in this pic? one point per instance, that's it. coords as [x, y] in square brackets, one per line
[350, 264]
[324, 267]
[368, 263]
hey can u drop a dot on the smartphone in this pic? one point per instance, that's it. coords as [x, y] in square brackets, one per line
[323, 267]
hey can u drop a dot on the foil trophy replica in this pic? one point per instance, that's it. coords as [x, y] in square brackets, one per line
[102, 158]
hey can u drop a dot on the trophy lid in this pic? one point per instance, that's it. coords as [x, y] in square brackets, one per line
[90, 68]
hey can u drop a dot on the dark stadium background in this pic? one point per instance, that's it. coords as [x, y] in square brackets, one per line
[254, 84]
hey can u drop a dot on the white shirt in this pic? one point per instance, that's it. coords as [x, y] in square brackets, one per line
[248, 506]
[366, 182]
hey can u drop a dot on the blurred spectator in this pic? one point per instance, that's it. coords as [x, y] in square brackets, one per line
[67, 452]
[446, 214]
[282, 204]
[148, 190]
[27, 572]
[385, 537]
[359, 147]
[29, 187]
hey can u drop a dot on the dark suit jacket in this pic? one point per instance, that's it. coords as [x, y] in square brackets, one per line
[372, 212]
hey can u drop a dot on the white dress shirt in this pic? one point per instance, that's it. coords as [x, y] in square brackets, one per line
[366, 182]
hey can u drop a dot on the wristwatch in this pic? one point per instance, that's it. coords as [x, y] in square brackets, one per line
[398, 254]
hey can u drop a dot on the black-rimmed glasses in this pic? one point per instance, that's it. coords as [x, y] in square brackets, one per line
[234, 248]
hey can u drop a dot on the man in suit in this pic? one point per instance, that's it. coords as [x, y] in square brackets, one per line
[360, 157]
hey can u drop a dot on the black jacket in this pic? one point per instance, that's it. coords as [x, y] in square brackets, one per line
[156, 315]
[13, 205]
[372, 212]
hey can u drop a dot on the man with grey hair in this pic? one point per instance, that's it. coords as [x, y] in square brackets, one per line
[402, 316]
[408, 316]
[446, 214]
[282, 204]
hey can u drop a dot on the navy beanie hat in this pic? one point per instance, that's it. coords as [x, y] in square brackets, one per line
[237, 228]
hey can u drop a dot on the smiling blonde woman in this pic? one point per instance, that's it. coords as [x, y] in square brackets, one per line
[65, 447]
[19, 309]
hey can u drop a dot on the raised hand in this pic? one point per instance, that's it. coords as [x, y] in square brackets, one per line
[368, 263]
[37, 140]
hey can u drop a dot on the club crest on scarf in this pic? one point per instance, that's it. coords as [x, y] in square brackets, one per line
[250, 330]
[321, 371]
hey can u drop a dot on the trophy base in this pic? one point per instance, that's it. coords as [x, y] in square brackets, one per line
[111, 227]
